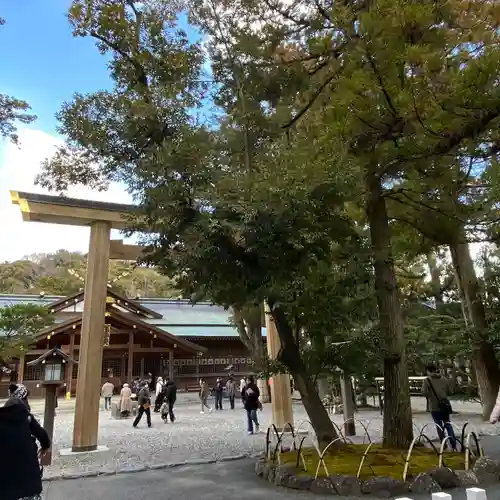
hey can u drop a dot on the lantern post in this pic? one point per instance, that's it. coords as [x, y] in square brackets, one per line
[54, 363]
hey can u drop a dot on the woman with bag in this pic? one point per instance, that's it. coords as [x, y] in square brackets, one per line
[435, 389]
[20, 473]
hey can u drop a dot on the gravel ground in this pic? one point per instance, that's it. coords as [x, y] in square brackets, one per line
[222, 481]
[211, 436]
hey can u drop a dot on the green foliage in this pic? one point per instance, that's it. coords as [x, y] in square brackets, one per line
[348, 145]
[19, 324]
[60, 273]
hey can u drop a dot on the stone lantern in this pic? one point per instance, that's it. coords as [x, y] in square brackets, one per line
[54, 363]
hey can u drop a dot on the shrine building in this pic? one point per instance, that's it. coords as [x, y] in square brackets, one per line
[166, 337]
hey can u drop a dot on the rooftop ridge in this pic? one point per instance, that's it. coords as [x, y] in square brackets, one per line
[163, 300]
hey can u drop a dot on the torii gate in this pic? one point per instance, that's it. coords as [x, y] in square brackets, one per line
[101, 217]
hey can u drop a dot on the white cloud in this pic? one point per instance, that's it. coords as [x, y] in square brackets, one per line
[18, 167]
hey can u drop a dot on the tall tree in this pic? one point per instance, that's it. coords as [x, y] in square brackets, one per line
[19, 324]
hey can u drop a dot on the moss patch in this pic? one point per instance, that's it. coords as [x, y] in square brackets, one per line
[379, 461]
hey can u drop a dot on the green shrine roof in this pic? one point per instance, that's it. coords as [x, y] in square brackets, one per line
[179, 316]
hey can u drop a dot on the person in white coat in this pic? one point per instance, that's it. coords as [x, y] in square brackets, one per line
[159, 394]
[243, 383]
[495, 414]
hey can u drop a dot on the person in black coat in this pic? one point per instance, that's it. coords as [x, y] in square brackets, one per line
[171, 396]
[219, 391]
[250, 397]
[144, 402]
[20, 474]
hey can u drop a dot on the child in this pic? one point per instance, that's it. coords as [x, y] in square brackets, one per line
[164, 411]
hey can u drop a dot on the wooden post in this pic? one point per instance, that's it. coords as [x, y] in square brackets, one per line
[130, 357]
[86, 425]
[171, 365]
[348, 404]
[20, 369]
[197, 368]
[142, 367]
[48, 418]
[123, 368]
[264, 393]
[281, 397]
[69, 368]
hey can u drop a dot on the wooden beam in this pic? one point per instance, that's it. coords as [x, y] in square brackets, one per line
[20, 370]
[130, 356]
[152, 349]
[121, 251]
[71, 211]
[86, 425]
[69, 374]
[281, 397]
[171, 365]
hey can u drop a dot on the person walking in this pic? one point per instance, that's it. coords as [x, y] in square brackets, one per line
[495, 414]
[435, 389]
[231, 391]
[107, 391]
[144, 402]
[125, 401]
[219, 392]
[250, 397]
[243, 382]
[204, 392]
[159, 394]
[20, 472]
[171, 396]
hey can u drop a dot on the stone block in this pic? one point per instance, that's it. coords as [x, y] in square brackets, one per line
[115, 410]
[323, 486]
[299, 482]
[282, 473]
[269, 472]
[423, 483]
[476, 494]
[386, 487]
[260, 467]
[445, 477]
[487, 470]
[467, 478]
[346, 485]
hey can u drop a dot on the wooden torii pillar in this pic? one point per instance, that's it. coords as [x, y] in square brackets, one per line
[101, 218]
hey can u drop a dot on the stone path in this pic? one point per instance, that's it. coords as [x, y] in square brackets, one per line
[194, 437]
[223, 481]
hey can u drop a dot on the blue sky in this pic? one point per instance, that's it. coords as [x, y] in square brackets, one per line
[43, 64]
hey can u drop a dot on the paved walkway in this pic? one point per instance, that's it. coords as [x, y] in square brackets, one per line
[223, 481]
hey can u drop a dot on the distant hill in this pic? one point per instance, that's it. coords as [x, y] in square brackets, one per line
[57, 274]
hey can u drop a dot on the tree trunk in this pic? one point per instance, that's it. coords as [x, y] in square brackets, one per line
[435, 280]
[398, 425]
[483, 355]
[291, 358]
[249, 326]
[348, 404]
